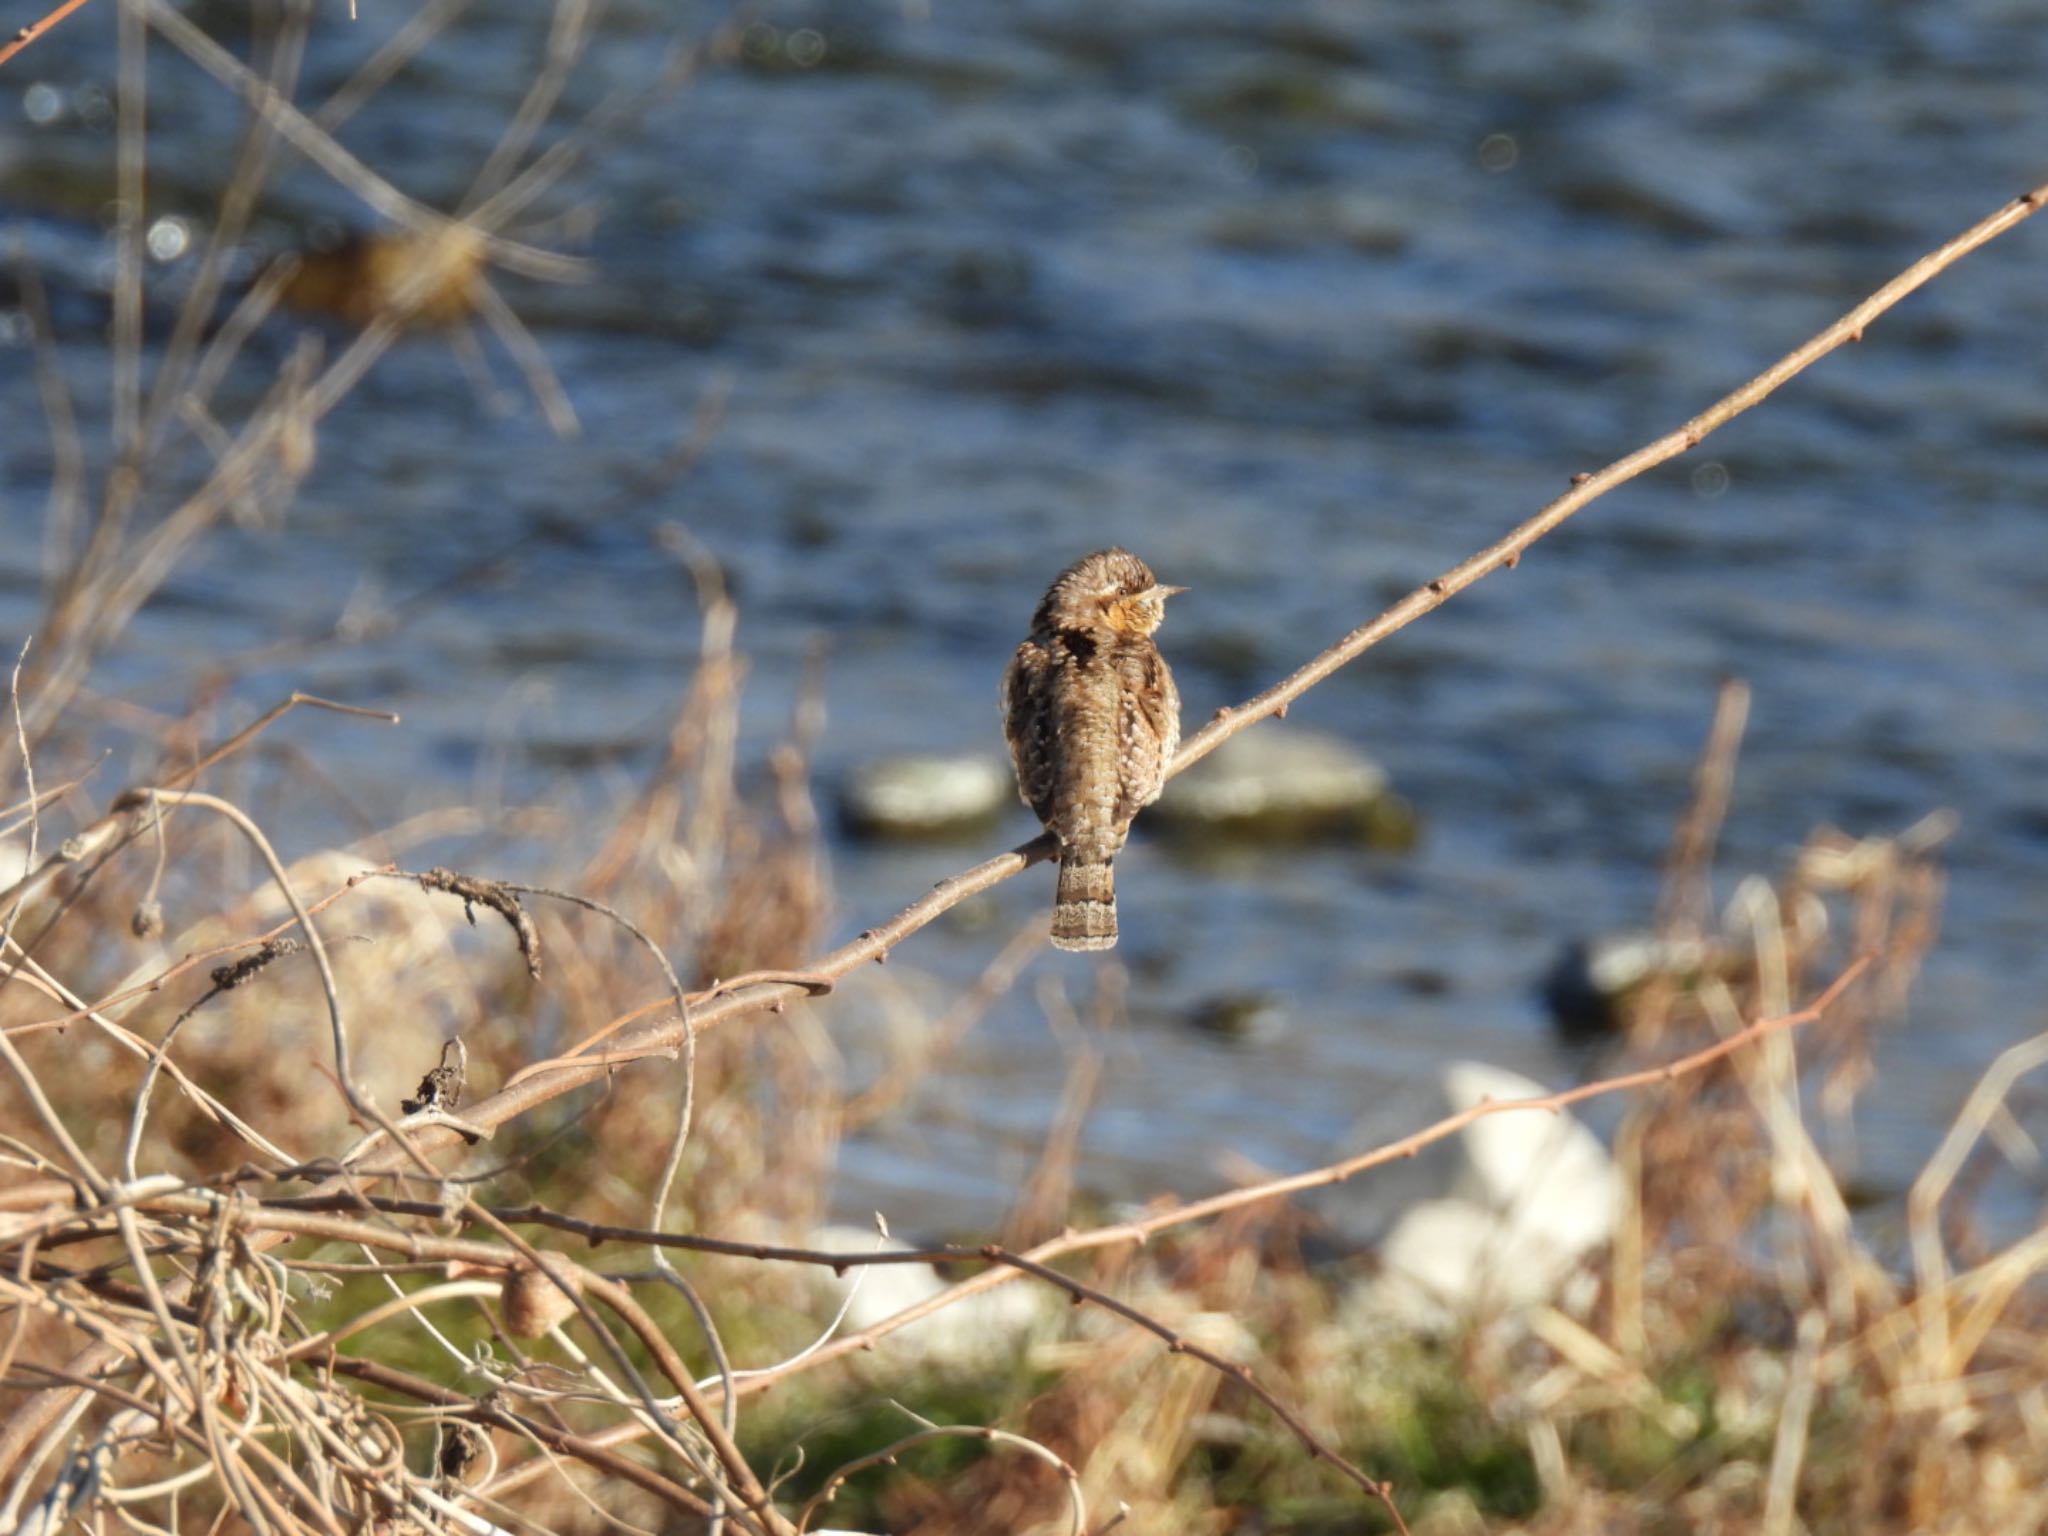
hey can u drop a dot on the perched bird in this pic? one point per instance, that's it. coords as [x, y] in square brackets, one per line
[1093, 719]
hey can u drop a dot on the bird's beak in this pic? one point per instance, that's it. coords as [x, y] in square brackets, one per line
[1159, 591]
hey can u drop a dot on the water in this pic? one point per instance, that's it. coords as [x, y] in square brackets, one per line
[1303, 302]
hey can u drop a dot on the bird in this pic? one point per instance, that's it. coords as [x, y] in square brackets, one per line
[1093, 720]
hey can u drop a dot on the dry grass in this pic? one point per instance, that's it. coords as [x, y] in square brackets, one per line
[269, 1331]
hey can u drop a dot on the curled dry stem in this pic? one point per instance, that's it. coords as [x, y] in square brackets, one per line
[500, 898]
[1077, 1501]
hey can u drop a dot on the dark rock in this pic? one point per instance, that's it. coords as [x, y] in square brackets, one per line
[1243, 1018]
[1590, 986]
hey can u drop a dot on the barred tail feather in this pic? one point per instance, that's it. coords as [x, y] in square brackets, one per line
[1084, 905]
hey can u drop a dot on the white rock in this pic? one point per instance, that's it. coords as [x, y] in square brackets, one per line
[1442, 1262]
[1275, 774]
[1530, 1195]
[417, 934]
[1543, 1173]
[971, 1333]
[926, 796]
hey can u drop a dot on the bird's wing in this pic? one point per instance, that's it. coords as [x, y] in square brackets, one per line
[1030, 724]
[1148, 729]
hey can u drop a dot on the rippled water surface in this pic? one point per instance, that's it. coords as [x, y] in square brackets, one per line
[1305, 302]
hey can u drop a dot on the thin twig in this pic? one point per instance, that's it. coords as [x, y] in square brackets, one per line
[36, 29]
[1588, 488]
[28, 774]
[1686, 905]
[322, 149]
[240, 820]
[67, 451]
[1078, 1504]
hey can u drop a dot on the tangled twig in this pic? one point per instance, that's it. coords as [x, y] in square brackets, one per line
[502, 899]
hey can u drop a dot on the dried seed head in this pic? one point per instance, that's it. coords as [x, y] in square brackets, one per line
[534, 1298]
[462, 1449]
[148, 921]
[234, 1388]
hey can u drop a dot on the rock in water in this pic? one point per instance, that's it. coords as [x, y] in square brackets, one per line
[1277, 783]
[1591, 985]
[924, 795]
[1243, 1018]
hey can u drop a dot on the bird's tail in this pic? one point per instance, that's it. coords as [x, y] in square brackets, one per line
[1084, 904]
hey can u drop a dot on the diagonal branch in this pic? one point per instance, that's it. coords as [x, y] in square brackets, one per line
[35, 29]
[1590, 488]
[663, 1036]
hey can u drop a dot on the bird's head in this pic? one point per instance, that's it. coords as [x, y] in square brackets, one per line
[1111, 589]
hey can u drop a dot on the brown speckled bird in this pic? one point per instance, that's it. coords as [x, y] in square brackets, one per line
[1093, 719]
